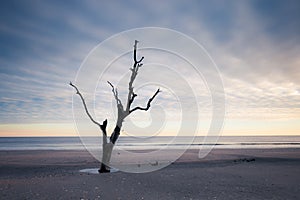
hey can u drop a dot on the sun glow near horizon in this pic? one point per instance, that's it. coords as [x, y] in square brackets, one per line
[288, 127]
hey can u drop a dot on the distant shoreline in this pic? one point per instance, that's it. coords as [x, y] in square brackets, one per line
[129, 143]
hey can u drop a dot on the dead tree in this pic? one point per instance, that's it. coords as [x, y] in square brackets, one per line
[123, 112]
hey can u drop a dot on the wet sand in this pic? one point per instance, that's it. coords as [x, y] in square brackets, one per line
[223, 174]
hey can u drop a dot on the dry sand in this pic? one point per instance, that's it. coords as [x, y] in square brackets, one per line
[223, 174]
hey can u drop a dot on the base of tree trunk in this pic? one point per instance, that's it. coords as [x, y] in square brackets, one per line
[103, 169]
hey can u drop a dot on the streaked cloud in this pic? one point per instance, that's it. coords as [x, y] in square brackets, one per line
[254, 44]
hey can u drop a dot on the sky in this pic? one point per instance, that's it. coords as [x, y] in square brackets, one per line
[255, 44]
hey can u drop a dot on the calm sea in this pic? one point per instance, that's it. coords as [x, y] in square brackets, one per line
[75, 143]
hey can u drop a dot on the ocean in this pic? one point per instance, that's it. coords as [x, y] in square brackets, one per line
[75, 143]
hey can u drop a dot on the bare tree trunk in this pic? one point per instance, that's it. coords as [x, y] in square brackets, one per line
[106, 155]
[122, 113]
[107, 151]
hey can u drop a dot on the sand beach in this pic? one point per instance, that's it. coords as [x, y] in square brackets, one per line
[223, 174]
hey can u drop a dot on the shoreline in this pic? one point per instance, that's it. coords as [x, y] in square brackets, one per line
[129, 143]
[223, 174]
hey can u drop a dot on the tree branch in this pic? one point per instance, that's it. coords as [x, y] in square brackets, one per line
[134, 53]
[102, 126]
[116, 95]
[148, 104]
[134, 71]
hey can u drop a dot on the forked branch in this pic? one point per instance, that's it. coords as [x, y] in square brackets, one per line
[134, 71]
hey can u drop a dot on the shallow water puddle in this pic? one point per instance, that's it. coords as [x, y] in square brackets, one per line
[95, 170]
